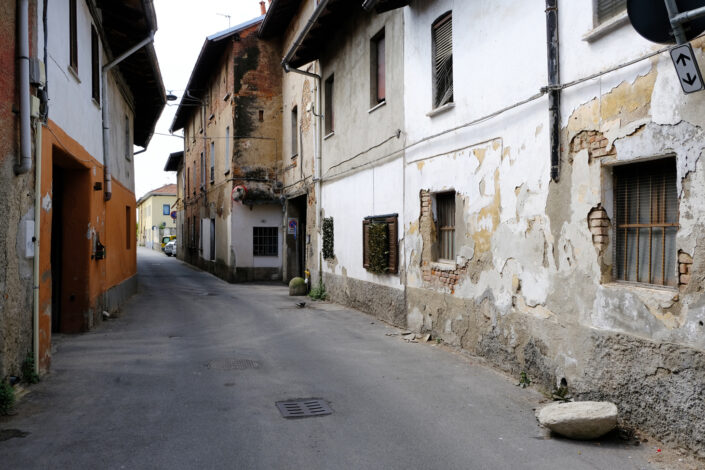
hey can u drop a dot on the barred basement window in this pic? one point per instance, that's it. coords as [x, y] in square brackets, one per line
[443, 60]
[265, 241]
[646, 210]
[445, 216]
[380, 244]
[606, 9]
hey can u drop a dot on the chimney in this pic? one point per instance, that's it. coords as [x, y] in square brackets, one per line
[264, 8]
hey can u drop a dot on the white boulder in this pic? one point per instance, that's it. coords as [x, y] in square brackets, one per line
[579, 420]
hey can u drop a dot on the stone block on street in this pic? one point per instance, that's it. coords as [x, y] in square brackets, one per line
[579, 420]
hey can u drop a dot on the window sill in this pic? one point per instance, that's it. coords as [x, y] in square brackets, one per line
[607, 27]
[667, 292]
[377, 106]
[329, 135]
[440, 109]
[74, 73]
[443, 265]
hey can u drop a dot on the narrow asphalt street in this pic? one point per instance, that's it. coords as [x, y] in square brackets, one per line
[188, 376]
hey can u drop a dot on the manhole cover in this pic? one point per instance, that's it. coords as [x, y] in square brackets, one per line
[233, 364]
[303, 408]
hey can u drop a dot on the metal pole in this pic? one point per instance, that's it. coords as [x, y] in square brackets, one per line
[678, 31]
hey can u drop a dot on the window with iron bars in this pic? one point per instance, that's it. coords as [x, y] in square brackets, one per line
[265, 241]
[646, 214]
[445, 217]
[443, 60]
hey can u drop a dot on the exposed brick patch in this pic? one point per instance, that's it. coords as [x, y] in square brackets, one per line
[685, 264]
[599, 225]
[595, 143]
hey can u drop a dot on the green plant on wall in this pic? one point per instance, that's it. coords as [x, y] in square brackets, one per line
[28, 374]
[328, 239]
[378, 248]
[7, 398]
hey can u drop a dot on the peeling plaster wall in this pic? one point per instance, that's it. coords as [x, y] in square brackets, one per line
[535, 290]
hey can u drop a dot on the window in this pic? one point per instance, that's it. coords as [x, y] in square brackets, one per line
[95, 66]
[128, 228]
[212, 161]
[294, 131]
[380, 244]
[377, 70]
[128, 142]
[193, 231]
[265, 241]
[212, 239]
[329, 121]
[73, 36]
[203, 171]
[445, 217]
[188, 181]
[194, 178]
[226, 166]
[646, 214]
[443, 60]
[607, 9]
[166, 209]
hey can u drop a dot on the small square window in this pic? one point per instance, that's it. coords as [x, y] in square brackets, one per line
[265, 241]
[166, 209]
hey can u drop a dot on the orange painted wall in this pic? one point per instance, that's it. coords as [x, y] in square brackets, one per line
[85, 212]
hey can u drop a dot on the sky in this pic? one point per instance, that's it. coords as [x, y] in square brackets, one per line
[182, 27]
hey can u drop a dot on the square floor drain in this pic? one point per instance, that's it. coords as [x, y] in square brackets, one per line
[303, 408]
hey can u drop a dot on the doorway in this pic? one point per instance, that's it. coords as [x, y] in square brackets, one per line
[70, 247]
[296, 239]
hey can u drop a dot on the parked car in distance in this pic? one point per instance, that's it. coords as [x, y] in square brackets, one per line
[170, 248]
[166, 239]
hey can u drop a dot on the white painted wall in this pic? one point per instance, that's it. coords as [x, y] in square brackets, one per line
[375, 191]
[243, 219]
[71, 105]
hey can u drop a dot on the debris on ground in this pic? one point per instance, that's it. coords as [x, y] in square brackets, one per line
[579, 420]
[300, 304]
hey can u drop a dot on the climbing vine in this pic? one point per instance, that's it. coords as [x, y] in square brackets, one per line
[378, 246]
[328, 238]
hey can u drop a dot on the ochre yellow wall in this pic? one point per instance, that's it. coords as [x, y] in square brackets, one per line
[84, 279]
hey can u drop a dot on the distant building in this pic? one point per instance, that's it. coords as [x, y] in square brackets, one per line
[154, 220]
[230, 114]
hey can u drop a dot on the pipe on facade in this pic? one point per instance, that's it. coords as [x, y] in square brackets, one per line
[37, 232]
[105, 111]
[25, 163]
[554, 92]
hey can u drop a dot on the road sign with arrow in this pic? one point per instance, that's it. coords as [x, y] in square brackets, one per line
[687, 68]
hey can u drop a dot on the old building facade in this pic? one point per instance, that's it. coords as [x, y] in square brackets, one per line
[69, 237]
[551, 224]
[154, 219]
[230, 115]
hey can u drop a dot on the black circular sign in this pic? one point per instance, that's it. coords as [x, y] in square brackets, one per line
[650, 19]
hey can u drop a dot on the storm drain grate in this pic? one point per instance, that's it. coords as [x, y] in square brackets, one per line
[233, 364]
[303, 408]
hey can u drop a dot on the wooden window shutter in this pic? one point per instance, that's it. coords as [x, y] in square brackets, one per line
[365, 243]
[393, 264]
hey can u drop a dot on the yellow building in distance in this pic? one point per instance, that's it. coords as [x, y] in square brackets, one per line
[154, 219]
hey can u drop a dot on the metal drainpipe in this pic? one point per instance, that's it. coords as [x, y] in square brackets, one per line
[105, 110]
[37, 232]
[25, 163]
[554, 93]
[316, 154]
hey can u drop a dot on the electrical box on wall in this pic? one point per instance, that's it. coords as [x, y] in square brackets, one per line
[37, 72]
[27, 238]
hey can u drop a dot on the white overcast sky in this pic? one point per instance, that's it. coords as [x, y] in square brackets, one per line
[183, 26]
